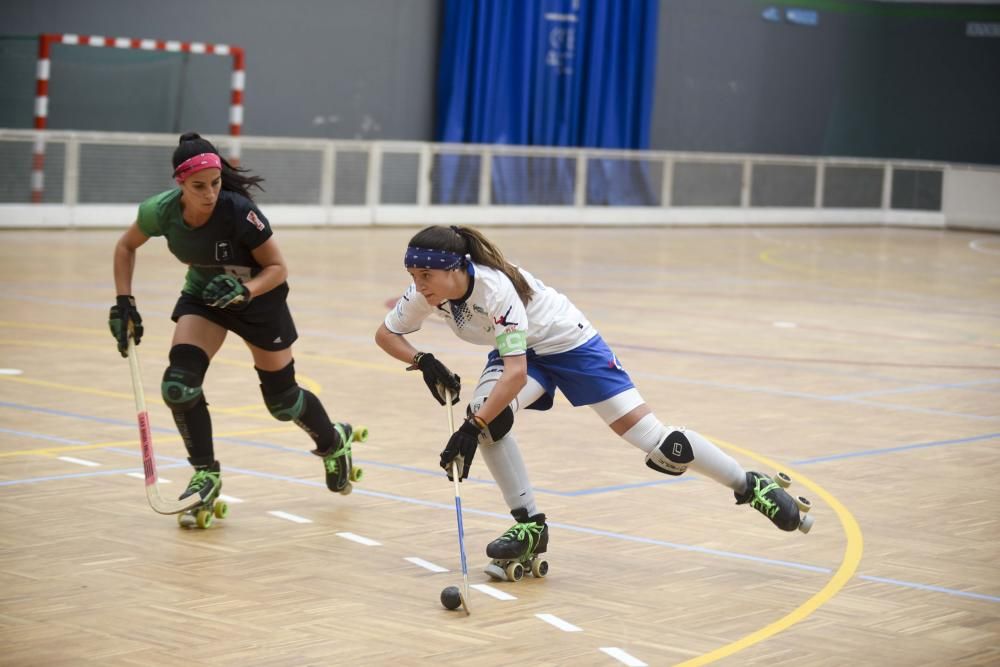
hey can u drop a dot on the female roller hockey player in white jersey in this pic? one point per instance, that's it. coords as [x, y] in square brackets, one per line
[541, 342]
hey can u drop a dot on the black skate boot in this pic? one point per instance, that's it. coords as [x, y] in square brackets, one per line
[206, 483]
[337, 460]
[768, 496]
[519, 546]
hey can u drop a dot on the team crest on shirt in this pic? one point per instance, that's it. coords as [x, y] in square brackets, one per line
[252, 217]
[223, 251]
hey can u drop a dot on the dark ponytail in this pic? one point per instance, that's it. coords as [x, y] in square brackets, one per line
[471, 242]
[233, 178]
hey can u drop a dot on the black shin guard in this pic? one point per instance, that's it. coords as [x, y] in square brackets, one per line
[182, 393]
[287, 401]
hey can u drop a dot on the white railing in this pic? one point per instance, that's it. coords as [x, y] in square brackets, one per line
[98, 178]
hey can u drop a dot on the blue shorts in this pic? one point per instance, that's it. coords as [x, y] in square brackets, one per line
[585, 375]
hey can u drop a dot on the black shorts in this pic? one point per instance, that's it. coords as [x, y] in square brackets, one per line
[266, 322]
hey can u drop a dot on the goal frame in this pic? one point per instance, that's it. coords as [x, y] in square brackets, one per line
[43, 69]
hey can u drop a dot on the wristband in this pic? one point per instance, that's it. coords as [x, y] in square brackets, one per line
[479, 422]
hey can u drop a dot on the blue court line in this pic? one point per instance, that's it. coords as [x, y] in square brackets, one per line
[78, 475]
[176, 463]
[901, 448]
[917, 388]
[545, 491]
[812, 397]
[927, 587]
[42, 436]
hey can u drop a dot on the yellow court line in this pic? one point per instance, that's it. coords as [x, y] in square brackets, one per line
[848, 566]
[52, 451]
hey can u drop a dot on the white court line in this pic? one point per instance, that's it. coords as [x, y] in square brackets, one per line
[360, 540]
[10, 371]
[139, 475]
[81, 462]
[494, 592]
[228, 499]
[975, 245]
[559, 623]
[426, 564]
[623, 657]
[289, 517]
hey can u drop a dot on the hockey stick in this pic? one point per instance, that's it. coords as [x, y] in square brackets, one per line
[458, 508]
[156, 501]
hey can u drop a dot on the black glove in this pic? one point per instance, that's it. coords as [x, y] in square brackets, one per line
[437, 377]
[122, 315]
[226, 291]
[462, 444]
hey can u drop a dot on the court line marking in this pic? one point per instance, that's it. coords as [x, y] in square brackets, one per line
[493, 592]
[360, 539]
[180, 463]
[79, 462]
[623, 657]
[426, 564]
[565, 626]
[853, 549]
[289, 517]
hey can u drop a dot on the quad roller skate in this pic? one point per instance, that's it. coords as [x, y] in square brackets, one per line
[339, 470]
[768, 496]
[207, 483]
[519, 548]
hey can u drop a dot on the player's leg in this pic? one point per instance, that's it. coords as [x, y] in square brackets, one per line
[499, 449]
[195, 342]
[672, 450]
[287, 401]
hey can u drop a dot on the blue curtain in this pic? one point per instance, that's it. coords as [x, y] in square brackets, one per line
[546, 73]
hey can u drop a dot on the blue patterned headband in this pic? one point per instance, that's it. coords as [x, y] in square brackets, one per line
[429, 258]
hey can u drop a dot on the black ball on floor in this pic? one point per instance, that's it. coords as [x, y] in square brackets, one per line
[451, 598]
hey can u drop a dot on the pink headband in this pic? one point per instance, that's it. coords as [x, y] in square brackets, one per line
[195, 164]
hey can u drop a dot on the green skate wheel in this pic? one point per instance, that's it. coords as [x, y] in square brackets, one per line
[514, 572]
[783, 480]
[356, 474]
[804, 504]
[360, 434]
[204, 518]
[539, 567]
[221, 510]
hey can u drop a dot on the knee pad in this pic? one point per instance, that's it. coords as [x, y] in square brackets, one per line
[672, 456]
[501, 424]
[284, 398]
[181, 386]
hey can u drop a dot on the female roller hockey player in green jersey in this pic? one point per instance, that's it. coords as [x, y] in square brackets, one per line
[540, 342]
[235, 282]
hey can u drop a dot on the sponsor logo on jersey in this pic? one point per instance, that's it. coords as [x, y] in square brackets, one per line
[502, 320]
[479, 309]
[223, 251]
[252, 217]
[614, 363]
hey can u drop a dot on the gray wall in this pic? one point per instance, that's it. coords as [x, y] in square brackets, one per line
[873, 80]
[315, 68]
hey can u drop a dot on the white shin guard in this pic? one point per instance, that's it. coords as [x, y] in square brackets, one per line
[503, 458]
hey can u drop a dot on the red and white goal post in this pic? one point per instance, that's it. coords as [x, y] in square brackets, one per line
[45, 42]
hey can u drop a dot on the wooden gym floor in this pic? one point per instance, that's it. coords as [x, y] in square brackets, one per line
[863, 361]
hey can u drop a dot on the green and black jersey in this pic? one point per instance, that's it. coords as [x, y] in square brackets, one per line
[224, 244]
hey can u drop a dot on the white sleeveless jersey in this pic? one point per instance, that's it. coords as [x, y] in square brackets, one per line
[494, 315]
